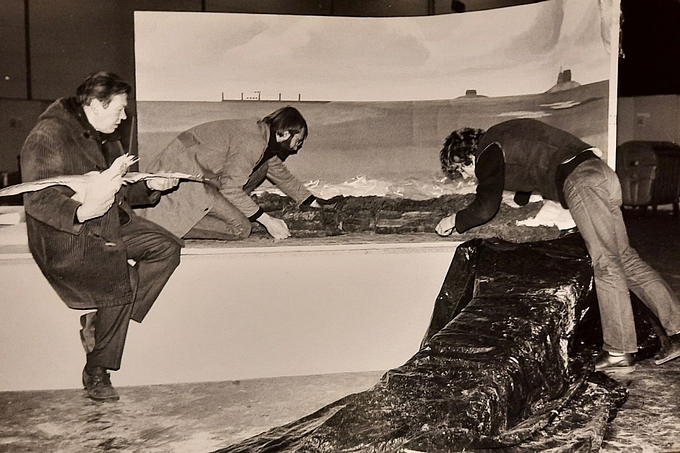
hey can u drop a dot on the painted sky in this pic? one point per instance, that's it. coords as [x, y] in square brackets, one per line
[502, 52]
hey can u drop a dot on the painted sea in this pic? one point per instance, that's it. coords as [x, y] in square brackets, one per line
[384, 148]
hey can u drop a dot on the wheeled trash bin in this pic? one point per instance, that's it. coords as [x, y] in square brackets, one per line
[649, 172]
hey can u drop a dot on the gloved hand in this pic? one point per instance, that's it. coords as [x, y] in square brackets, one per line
[276, 227]
[97, 195]
[162, 184]
[446, 226]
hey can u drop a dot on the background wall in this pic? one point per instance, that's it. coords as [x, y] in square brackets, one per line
[49, 47]
[654, 118]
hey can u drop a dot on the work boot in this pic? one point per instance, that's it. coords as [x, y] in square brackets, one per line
[98, 385]
[669, 353]
[87, 331]
[615, 364]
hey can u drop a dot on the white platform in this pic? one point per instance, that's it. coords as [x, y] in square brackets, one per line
[234, 313]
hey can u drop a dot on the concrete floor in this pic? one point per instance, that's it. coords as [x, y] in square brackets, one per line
[203, 417]
[649, 421]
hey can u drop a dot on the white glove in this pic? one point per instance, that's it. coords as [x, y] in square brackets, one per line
[97, 195]
[446, 225]
[276, 227]
[161, 184]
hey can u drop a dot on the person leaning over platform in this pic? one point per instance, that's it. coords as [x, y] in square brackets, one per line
[92, 248]
[238, 155]
[526, 155]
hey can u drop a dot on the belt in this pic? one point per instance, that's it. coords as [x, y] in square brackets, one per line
[567, 166]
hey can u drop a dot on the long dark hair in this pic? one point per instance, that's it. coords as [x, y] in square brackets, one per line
[102, 86]
[286, 119]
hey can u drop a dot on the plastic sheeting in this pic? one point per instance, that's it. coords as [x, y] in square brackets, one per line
[501, 366]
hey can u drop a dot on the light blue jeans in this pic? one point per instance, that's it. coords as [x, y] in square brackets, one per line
[593, 194]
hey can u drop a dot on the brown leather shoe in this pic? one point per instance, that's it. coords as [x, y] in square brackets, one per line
[98, 385]
[670, 353]
[87, 331]
[615, 364]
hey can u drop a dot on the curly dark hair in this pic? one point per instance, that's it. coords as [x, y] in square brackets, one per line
[459, 150]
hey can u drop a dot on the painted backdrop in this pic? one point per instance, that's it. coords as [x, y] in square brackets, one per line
[380, 94]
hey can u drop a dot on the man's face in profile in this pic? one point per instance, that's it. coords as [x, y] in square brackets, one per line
[106, 118]
[290, 144]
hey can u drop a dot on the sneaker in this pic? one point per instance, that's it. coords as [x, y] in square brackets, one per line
[669, 353]
[87, 331]
[612, 364]
[98, 385]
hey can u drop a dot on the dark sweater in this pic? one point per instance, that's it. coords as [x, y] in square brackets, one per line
[523, 156]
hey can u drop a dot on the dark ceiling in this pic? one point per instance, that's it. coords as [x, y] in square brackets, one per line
[649, 63]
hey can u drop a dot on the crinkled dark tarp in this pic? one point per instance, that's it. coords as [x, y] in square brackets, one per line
[493, 373]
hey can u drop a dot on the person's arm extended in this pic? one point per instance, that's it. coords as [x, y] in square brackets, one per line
[231, 187]
[280, 176]
[490, 172]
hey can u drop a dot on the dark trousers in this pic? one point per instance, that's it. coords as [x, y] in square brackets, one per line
[156, 254]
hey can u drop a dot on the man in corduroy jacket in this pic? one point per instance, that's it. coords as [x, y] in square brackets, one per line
[238, 155]
[92, 248]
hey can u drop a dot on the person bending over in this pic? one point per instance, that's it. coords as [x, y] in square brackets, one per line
[527, 155]
[237, 156]
[92, 248]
